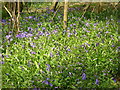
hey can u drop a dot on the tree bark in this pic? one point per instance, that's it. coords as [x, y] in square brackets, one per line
[13, 9]
[18, 16]
[65, 14]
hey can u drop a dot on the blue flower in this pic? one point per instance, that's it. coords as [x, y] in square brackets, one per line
[43, 28]
[33, 52]
[48, 67]
[21, 35]
[87, 24]
[107, 32]
[54, 31]
[47, 33]
[113, 45]
[30, 17]
[39, 24]
[51, 54]
[3, 20]
[83, 76]
[68, 50]
[2, 62]
[29, 35]
[71, 25]
[40, 33]
[7, 74]
[47, 82]
[32, 45]
[8, 36]
[114, 80]
[69, 34]
[97, 44]
[29, 28]
[97, 81]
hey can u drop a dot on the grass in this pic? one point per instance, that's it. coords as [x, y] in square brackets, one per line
[43, 54]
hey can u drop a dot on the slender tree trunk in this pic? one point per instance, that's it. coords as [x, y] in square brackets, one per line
[14, 16]
[10, 7]
[18, 16]
[65, 14]
[13, 9]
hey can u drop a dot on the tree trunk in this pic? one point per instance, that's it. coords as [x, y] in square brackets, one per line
[13, 9]
[18, 16]
[65, 14]
[54, 6]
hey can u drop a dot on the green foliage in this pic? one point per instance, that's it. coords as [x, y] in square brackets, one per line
[44, 55]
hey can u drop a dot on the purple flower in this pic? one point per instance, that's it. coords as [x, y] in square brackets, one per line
[113, 45]
[74, 32]
[51, 54]
[86, 50]
[71, 25]
[2, 62]
[10, 32]
[47, 33]
[38, 24]
[40, 33]
[98, 35]
[79, 63]
[68, 50]
[3, 20]
[29, 35]
[35, 37]
[7, 56]
[107, 32]
[97, 81]
[21, 35]
[47, 78]
[87, 44]
[32, 45]
[30, 17]
[48, 83]
[33, 52]
[43, 28]
[54, 31]
[95, 24]
[97, 44]
[69, 34]
[7, 74]
[114, 80]
[87, 24]
[48, 67]
[83, 76]
[29, 28]
[74, 24]
[70, 73]
[8, 36]
[87, 31]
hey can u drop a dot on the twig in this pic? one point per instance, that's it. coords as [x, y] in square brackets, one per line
[8, 11]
